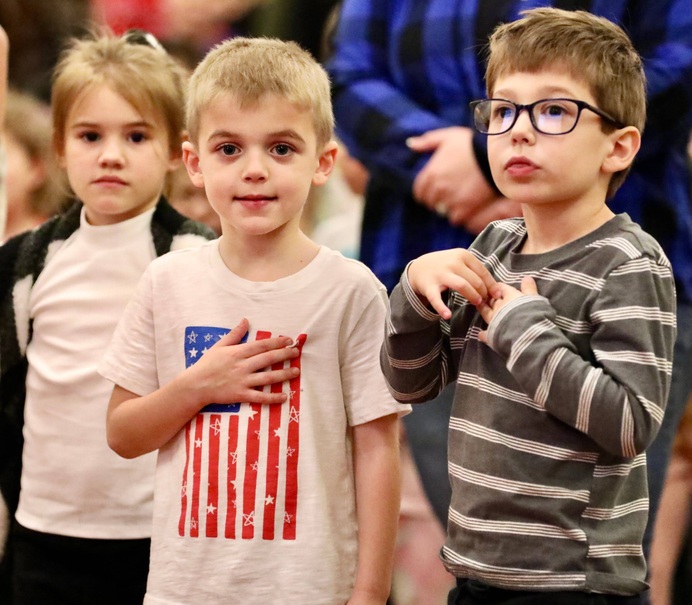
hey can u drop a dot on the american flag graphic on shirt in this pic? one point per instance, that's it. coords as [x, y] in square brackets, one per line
[240, 478]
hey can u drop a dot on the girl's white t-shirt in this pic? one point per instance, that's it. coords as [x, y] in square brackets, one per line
[72, 483]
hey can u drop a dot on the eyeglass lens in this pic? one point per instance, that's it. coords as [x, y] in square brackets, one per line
[550, 116]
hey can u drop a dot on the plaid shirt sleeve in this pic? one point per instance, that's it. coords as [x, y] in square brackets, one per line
[382, 48]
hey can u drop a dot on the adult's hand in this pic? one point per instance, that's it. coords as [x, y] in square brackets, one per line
[451, 183]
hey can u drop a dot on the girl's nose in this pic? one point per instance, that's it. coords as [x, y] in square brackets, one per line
[111, 153]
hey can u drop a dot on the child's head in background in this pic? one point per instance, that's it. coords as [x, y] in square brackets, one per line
[189, 200]
[118, 121]
[34, 185]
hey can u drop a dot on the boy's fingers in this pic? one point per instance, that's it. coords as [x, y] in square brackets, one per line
[434, 299]
[472, 289]
[262, 379]
[481, 271]
[263, 397]
[265, 353]
[257, 347]
[528, 286]
[234, 336]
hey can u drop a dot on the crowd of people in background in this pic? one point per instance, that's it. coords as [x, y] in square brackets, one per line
[411, 177]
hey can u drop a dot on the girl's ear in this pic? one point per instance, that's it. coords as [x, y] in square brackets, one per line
[325, 163]
[625, 145]
[191, 160]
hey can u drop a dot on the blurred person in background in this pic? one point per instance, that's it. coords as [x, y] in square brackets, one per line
[179, 24]
[35, 188]
[189, 200]
[37, 31]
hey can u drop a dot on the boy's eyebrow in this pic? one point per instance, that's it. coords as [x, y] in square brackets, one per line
[541, 93]
[288, 133]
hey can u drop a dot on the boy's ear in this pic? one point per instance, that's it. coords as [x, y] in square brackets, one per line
[325, 163]
[625, 145]
[191, 160]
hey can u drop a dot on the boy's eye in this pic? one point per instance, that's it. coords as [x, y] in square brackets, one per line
[282, 149]
[502, 115]
[228, 149]
[552, 110]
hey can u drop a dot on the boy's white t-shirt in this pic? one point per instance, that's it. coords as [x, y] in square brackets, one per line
[256, 504]
[72, 483]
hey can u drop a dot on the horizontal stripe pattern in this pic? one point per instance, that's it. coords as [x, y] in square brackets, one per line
[552, 415]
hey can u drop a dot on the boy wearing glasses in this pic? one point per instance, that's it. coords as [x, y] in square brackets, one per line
[557, 328]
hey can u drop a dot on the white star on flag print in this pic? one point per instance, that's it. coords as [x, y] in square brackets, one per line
[240, 478]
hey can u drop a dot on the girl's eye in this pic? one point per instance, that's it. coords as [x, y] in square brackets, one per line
[137, 137]
[90, 137]
[282, 149]
[228, 149]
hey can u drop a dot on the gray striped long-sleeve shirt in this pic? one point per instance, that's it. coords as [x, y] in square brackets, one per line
[551, 419]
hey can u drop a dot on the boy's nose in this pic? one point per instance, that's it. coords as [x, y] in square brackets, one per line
[255, 167]
[523, 129]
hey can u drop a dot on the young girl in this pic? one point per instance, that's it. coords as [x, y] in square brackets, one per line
[83, 515]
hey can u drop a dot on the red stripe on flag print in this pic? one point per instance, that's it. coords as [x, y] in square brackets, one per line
[273, 447]
[292, 443]
[184, 488]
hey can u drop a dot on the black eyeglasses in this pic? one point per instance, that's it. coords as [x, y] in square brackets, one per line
[548, 116]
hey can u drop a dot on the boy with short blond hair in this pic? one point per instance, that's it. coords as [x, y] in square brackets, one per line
[558, 329]
[295, 502]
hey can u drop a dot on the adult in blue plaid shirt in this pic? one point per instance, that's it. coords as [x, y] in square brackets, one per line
[404, 72]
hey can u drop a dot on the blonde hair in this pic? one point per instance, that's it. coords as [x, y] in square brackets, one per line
[27, 121]
[145, 76]
[591, 48]
[249, 68]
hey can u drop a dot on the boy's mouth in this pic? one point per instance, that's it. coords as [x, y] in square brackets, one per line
[519, 166]
[255, 198]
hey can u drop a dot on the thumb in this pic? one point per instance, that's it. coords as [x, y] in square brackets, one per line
[235, 336]
[528, 286]
[428, 141]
